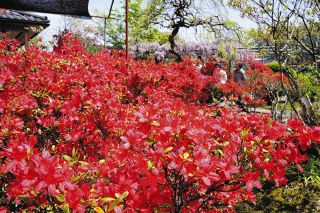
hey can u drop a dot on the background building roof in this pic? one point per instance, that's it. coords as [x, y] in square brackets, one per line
[21, 26]
[22, 17]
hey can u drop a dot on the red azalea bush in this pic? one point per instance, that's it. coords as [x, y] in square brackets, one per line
[96, 133]
[260, 82]
[261, 85]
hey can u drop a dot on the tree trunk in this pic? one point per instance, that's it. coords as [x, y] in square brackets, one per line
[291, 101]
[308, 114]
[274, 107]
[173, 44]
[308, 110]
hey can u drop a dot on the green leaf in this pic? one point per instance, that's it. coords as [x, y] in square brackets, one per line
[107, 199]
[60, 198]
[114, 204]
[68, 158]
[74, 152]
[124, 195]
[99, 210]
[78, 177]
[218, 152]
[155, 123]
[168, 149]
[150, 164]
[66, 208]
[244, 133]
[118, 200]
[186, 155]
[83, 163]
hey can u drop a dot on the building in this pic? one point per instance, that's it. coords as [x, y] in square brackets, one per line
[22, 26]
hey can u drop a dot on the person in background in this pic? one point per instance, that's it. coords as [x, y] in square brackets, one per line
[222, 73]
[240, 77]
[200, 63]
[239, 74]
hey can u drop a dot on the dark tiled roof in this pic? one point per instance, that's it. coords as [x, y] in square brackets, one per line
[18, 16]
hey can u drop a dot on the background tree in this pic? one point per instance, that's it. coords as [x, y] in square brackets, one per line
[291, 30]
[82, 30]
[177, 14]
[142, 28]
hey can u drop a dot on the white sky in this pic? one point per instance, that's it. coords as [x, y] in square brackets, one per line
[57, 23]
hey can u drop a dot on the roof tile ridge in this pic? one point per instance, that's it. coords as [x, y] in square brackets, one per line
[31, 14]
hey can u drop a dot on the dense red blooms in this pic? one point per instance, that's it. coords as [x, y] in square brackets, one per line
[95, 132]
[260, 84]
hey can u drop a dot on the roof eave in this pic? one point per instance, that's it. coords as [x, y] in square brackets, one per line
[46, 24]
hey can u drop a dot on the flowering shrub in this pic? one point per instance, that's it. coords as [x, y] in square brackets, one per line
[261, 85]
[96, 133]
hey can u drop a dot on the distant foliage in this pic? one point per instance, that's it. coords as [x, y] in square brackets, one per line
[161, 52]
